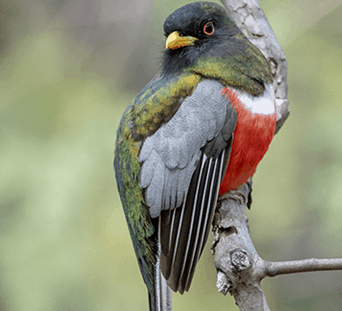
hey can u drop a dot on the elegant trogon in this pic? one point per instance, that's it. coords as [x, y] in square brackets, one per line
[197, 130]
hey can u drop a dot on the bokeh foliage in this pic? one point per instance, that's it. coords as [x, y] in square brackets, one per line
[68, 70]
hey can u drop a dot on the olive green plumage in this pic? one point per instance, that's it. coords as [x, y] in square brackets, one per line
[247, 71]
[158, 102]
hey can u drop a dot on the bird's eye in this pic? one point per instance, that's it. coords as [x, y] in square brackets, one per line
[208, 28]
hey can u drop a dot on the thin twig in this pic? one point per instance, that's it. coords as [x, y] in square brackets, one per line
[305, 265]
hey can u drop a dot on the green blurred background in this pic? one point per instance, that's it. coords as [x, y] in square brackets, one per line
[68, 70]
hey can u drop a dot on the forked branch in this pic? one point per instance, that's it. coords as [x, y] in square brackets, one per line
[239, 267]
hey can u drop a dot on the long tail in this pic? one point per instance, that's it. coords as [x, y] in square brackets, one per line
[161, 300]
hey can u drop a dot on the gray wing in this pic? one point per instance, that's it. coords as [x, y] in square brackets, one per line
[183, 164]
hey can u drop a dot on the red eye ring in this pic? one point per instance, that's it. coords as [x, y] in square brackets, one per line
[208, 28]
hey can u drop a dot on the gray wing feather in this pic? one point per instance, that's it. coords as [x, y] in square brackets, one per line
[170, 155]
[183, 163]
[153, 193]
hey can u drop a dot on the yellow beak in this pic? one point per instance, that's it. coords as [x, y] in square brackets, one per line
[175, 41]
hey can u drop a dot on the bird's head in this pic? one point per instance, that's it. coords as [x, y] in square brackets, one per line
[195, 30]
[201, 38]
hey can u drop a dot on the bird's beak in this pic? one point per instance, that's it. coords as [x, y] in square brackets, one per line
[175, 41]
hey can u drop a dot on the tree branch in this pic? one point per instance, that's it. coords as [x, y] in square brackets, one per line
[305, 265]
[239, 267]
[237, 262]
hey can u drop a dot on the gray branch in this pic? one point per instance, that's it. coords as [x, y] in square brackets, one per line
[305, 265]
[239, 267]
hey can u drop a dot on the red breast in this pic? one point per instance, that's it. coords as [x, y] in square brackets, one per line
[256, 121]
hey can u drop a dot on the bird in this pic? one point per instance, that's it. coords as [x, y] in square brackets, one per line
[196, 131]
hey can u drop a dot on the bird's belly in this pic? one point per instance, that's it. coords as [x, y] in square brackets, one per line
[251, 139]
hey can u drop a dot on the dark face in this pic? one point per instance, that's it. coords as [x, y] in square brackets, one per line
[202, 27]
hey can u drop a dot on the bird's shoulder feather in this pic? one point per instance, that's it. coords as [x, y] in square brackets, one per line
[159, 101]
